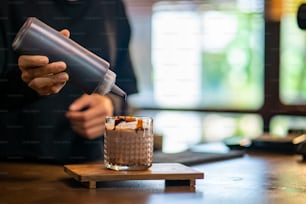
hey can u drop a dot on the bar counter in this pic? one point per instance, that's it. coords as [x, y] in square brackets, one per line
[253, 178]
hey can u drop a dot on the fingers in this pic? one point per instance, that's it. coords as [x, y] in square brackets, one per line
[83, 102]
[95, 104]
[28, 74]
[40, 75]
[88, 118]
[89, 123]
[44, 77]
[91, 129]
[49, 85]
[65, 32]
[29, 61]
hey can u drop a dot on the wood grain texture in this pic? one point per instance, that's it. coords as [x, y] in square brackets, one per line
[255, 178]
[159, 171]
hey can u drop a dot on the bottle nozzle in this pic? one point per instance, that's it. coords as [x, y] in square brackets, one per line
[118, 91]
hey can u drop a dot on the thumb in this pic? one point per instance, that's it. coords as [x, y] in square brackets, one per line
[65, 32]
[80, 104]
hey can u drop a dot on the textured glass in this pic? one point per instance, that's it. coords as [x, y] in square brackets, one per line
[128, 143]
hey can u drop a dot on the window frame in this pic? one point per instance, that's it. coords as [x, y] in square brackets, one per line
[272, 105]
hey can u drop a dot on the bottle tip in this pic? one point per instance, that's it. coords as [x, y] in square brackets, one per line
[118, 91]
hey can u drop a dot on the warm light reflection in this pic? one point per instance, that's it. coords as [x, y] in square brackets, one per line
[292, 51]
[176, 57]
[280, 125]
[180, 129]
[219, 29]
[208, 54]
[217, 127]
[183, 129]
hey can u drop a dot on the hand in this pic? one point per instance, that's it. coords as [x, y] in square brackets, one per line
[87, 115]
[40, 75]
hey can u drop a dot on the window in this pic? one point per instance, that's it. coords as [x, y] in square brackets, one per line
[292, 75]
[201, 55]
[292, 56]
[228, 59]
[208, 55]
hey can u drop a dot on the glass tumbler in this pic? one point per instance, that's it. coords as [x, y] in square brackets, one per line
[128, 143]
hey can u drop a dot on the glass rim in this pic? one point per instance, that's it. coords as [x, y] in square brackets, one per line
[124, 116]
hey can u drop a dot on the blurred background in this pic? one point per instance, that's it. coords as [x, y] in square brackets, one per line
[214, 69]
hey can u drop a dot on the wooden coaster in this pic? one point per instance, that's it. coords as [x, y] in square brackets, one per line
[174, 174]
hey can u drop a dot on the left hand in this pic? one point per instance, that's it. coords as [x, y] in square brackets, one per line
[87, 115]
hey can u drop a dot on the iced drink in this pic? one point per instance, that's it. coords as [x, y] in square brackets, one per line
[128, 143]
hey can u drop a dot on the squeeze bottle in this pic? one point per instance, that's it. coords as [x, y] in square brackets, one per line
[87, 71]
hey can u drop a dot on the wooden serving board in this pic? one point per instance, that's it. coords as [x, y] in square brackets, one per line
[174, 174]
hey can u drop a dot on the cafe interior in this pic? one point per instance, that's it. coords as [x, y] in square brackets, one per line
[224, 83]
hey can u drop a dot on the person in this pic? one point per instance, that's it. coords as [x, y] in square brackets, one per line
[43, 117]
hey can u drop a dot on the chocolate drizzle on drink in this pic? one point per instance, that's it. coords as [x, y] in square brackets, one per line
[124, 106]
[139, 126]
[118, 121]
[127, 119]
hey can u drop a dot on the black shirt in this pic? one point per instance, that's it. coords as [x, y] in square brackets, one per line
[33, 126]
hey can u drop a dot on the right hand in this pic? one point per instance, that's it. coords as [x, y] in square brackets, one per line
[40, 75]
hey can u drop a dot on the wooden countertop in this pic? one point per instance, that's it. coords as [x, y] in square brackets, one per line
[254, 178]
